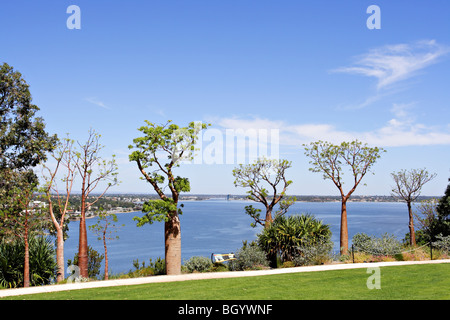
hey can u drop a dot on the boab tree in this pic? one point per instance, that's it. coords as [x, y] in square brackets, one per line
[58, 204]
[265, 173]
[162, 148]
[408, 185]
[329, 159]
[93, 170]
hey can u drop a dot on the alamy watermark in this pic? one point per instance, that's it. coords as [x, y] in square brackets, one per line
[227, 146]
[374, 280]
[74, 20]
[374, 21]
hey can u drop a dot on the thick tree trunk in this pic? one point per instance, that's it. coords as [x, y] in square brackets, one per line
[60, 254]
[269, 218]
[412, 234]
[272, 257]
[172, 234]
[344, 228]
[82, 250]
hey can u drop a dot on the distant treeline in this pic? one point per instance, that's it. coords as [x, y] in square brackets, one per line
[135, 200]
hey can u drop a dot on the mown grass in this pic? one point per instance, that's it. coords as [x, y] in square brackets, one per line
[423, 282]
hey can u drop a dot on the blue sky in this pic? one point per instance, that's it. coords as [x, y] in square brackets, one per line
[310, 69]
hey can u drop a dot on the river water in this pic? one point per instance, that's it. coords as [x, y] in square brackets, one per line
[220, 226]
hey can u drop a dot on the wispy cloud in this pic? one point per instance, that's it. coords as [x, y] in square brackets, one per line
[401, 130]
[394, 63]
[97, 103]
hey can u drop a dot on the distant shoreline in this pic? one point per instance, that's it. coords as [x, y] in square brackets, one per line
[91, 216]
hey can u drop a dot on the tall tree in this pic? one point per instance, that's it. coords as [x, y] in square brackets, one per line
[23, 139]
[408, 185]
[329, 159]
[23, 145]
[88, 161]
[65, 160]
[162, 148]
[265, 173]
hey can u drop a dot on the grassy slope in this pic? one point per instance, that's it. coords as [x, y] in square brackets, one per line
[399, 282]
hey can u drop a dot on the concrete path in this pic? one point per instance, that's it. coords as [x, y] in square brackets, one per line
[200, 276]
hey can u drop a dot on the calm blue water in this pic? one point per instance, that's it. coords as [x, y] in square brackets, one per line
[220, 226]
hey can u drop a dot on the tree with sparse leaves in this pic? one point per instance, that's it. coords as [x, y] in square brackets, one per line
[58, 203]
[93, 171]
[260, 176]
[105, 228]
[329, 159]
[157, 153]
[408, 185]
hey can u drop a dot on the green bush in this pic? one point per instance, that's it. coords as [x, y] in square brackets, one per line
[249, 257]
[154, 268]
[41, 258]
[386, 245]
[287, 235]
[159, 266]
[442, 243]
[314, 253]
[94, 262]
[198, 264]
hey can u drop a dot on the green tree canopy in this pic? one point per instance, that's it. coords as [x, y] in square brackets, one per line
[330, 160]
[157, 153]
[23, 139]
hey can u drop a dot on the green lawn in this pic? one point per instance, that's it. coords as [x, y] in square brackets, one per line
[426, 282]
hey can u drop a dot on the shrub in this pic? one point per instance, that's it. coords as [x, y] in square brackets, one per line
[94, 262]
[249, 257]
[159, 266]
[386, 245]
[42, 262]
[287, 235]
[198, 264]
[43, 266]
[442, 243]
[140, 270]
[314, 253]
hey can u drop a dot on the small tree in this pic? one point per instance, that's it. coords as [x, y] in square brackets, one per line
[105, 229]
[23, 215]
[328, 159]
[163, 148]
[259, 175]
[425, 215]
[408, 185]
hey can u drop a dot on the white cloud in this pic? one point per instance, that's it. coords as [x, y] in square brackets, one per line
[393, 63]
[97, 102]
[401, 130]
